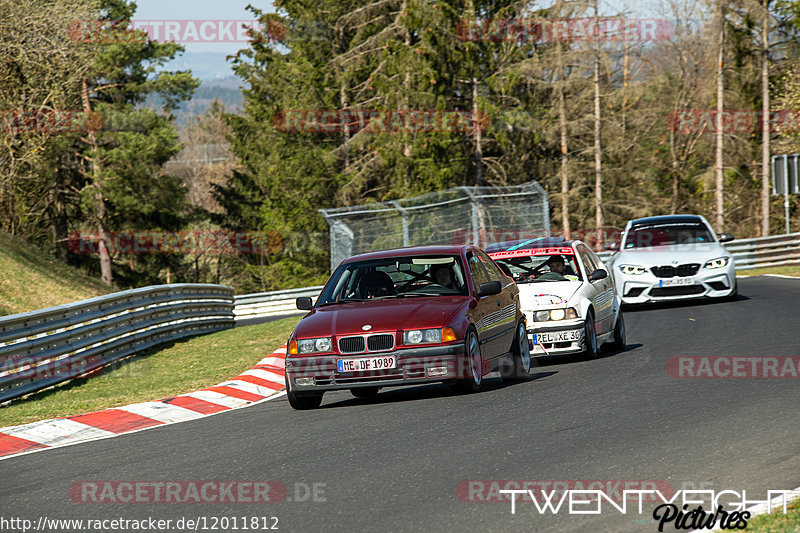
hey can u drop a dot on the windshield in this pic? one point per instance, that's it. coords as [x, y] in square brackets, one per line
[667, 234]
[395, 277]
[534, 266]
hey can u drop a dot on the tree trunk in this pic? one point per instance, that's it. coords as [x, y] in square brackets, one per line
[598, 154]
[478, 135]
[562, 123]
[674, 157]
[720, 101]
[765, 181]
[105, 257]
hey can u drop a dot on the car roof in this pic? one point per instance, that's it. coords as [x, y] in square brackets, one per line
[667, 219]
[410, 251]
[524, 244]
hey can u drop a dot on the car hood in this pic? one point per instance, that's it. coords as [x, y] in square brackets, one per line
[666, 255]
[380, 315]
[546, 294]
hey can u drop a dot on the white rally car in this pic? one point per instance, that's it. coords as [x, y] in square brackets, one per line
[672, 257]
[566, 294]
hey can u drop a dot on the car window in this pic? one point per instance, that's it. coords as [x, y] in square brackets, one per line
[476, 269]
[395, 277]
[491, 268]
[539, 265]
[588, 261]
[666, 234]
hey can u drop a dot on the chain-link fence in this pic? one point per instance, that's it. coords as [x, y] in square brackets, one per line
[462, 215]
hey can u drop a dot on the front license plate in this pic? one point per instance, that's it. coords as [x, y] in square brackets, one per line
[365, 364]
[670, 282]
[557, 336]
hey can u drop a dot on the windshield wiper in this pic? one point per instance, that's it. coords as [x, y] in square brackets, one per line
[412, 293]
[342, 301]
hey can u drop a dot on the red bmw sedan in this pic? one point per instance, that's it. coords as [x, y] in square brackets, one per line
[408, 316]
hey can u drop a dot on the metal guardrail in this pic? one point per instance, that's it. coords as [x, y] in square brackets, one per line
[273, 303]
[764, 252]
[41, 348]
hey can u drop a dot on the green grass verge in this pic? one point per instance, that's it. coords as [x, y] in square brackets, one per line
[791, 270]
[185, 366]
[32, 280]
[777, 522]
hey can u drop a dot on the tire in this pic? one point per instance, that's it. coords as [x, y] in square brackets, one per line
[520, 366]
[620, 337]
[590, 350]
[302, 401]
[364, 392]
[472, 351]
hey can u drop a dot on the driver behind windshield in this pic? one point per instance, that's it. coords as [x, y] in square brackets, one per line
[444, 276]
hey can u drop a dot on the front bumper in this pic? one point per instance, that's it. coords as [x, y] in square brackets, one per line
[644, 288]
[413, 366]
[540, 349]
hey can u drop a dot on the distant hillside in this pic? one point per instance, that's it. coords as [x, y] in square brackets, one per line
[226, 90]
[30, 279]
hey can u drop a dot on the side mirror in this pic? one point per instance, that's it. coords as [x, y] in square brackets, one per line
[725, 237]
[598, 274]
[613, 246]
[303, 303]
[489, 288]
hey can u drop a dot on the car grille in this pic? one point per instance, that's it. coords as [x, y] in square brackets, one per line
[668, 271]
[351, 345]
[379, 342]
[680, 290]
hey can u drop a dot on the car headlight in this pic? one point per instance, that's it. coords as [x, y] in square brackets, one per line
[632, 270]
[428, 336]
[555, 314]
[322, 344]
[718, 262]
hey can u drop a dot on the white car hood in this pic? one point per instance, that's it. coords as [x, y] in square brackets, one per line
[665, 255]
[546, 294]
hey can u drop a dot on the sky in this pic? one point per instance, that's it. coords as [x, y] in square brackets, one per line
[207, 59]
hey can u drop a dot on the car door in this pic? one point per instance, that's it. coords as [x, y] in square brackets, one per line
[485, 313]
[603, 298]
[506, 303]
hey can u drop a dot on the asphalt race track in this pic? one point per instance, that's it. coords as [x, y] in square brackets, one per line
[394, 464]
